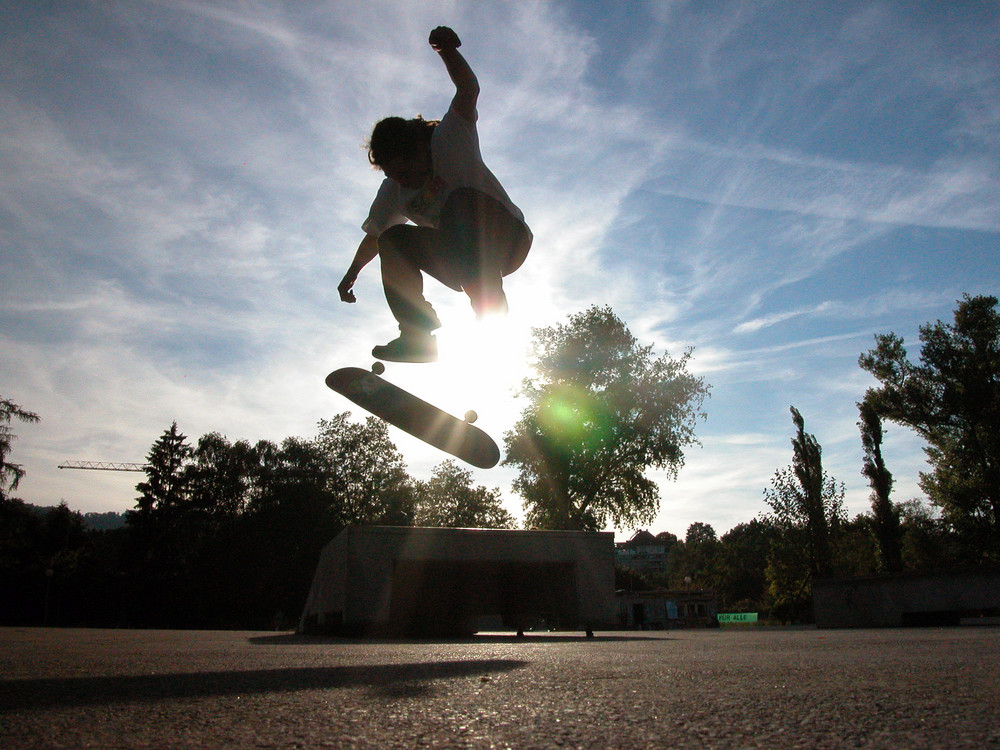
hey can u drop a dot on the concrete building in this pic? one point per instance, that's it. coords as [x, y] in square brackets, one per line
[379, 579]
[951, 598]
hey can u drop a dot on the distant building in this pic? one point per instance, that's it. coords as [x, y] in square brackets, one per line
[645, 552]
[666, 609]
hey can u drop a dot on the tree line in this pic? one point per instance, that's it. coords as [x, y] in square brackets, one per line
[224, 534]
[951, 398]
[228, 534]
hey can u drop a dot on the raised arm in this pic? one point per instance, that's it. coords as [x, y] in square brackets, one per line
[445, 42]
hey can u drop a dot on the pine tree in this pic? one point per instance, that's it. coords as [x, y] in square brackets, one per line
[166, 489]
[10, 474]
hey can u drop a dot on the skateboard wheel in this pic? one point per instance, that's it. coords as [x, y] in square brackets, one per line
[471, 416]
[378, 368]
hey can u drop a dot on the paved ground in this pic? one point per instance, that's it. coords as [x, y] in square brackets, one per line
[757, 688]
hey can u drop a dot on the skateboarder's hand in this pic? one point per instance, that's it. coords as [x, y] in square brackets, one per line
[444, 38]
[344, 288]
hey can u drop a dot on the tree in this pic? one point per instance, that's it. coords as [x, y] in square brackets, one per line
[806, 508]
[602, 410]
[366, 472]
[885, 516]
[166, 487]
[789, 582]
[952, 400]
[742, 565]
[803, 495]
[856, 549]
[927, 543]
[448, 499]
[694, 561]
[10, 474]
[700, 535]
[282, 474]
[220, 475]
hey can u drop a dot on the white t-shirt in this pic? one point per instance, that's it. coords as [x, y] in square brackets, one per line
[457, 162]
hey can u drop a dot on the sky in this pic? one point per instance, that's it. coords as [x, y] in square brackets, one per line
[770, 184]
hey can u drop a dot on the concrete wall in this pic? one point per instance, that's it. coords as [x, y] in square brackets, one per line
[893, 601]
[417, 580]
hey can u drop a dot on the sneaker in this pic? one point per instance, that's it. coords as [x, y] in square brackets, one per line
[413, 347]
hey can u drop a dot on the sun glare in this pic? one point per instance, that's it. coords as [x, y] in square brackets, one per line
[482, 363]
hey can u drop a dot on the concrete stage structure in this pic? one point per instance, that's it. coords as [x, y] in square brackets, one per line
[385, 580]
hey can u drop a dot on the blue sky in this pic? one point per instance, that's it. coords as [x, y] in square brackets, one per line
[771, 184]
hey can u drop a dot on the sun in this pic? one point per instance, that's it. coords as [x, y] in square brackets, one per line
[481, 365]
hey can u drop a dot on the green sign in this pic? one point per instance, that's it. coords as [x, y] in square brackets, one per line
[737, 617]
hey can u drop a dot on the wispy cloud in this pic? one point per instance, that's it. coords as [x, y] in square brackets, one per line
[855, 309]
[952, 195]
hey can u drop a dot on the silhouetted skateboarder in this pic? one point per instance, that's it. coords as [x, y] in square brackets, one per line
[465, 230]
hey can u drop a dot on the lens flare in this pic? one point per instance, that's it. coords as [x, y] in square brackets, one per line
[572, 415]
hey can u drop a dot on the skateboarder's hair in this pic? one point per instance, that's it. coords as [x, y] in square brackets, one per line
[395, 136]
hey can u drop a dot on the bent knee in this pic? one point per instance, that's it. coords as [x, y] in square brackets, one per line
[393, 238]
[518, 254]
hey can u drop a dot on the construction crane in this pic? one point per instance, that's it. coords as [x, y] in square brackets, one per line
[103, 466]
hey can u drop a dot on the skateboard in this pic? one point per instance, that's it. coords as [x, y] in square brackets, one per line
[411, 414]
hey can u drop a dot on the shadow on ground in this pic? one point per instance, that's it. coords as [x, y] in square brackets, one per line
[297, 639]
[38, 694]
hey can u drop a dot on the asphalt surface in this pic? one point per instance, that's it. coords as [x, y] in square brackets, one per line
[722, 688]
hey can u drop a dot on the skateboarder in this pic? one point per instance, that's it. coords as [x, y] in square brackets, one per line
[465, 230]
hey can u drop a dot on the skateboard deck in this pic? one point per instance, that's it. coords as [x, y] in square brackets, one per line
[415, 416]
